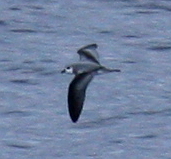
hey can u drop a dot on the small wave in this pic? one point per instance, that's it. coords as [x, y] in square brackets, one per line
[102, 121]
[24, 81]
[35, 7]
[129, 62]
[13, 68]
[160, 48]
[16, 113]
[23, 31]
[19, 144]
[4, 60]
[147, 12]
[48, 73]
[28, 62]
[14, 8]
[47, 61]
[3, 23]
[148, 136]
[152, 112]
[131, 36]
[155, 6]
[106, 32]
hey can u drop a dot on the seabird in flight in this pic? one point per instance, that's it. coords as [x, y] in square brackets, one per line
[84, 71]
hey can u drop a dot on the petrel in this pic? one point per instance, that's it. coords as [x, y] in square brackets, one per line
[84, 71]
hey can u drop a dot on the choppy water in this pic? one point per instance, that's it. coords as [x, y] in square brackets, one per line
[126, 115]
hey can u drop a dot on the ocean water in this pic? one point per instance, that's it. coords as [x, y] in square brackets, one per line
[126, 115]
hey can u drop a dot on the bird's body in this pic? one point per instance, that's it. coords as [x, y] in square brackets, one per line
[84, 72]
[85, 67]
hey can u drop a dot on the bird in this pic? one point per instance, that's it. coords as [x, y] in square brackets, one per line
[84, 71]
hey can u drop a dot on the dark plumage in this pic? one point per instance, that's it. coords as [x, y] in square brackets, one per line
[76, 94]
[84, 72]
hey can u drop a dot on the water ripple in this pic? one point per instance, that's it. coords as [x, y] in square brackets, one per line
[152, 112]
[24, 81]
[155, 6]
[48, 61]
[19, 144]
[160, 48]
[16, 113]
[102, 121]
[148, 136]
[3, 23]
[15, 8]
[23, 31]
[129, 62]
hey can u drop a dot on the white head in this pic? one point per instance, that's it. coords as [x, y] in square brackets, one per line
[68, 69]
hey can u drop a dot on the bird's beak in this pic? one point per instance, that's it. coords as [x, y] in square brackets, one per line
[63, 71]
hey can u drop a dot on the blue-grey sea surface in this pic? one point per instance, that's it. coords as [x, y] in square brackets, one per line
[126, 115]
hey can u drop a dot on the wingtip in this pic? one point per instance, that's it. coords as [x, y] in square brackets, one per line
[94, 45]
[86, 47]
[74, 120]
[91, 45]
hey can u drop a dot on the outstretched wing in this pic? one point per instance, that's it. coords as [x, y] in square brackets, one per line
[76, 94]
[89, 53]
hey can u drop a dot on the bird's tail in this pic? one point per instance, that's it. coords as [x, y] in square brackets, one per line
[107, 70]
